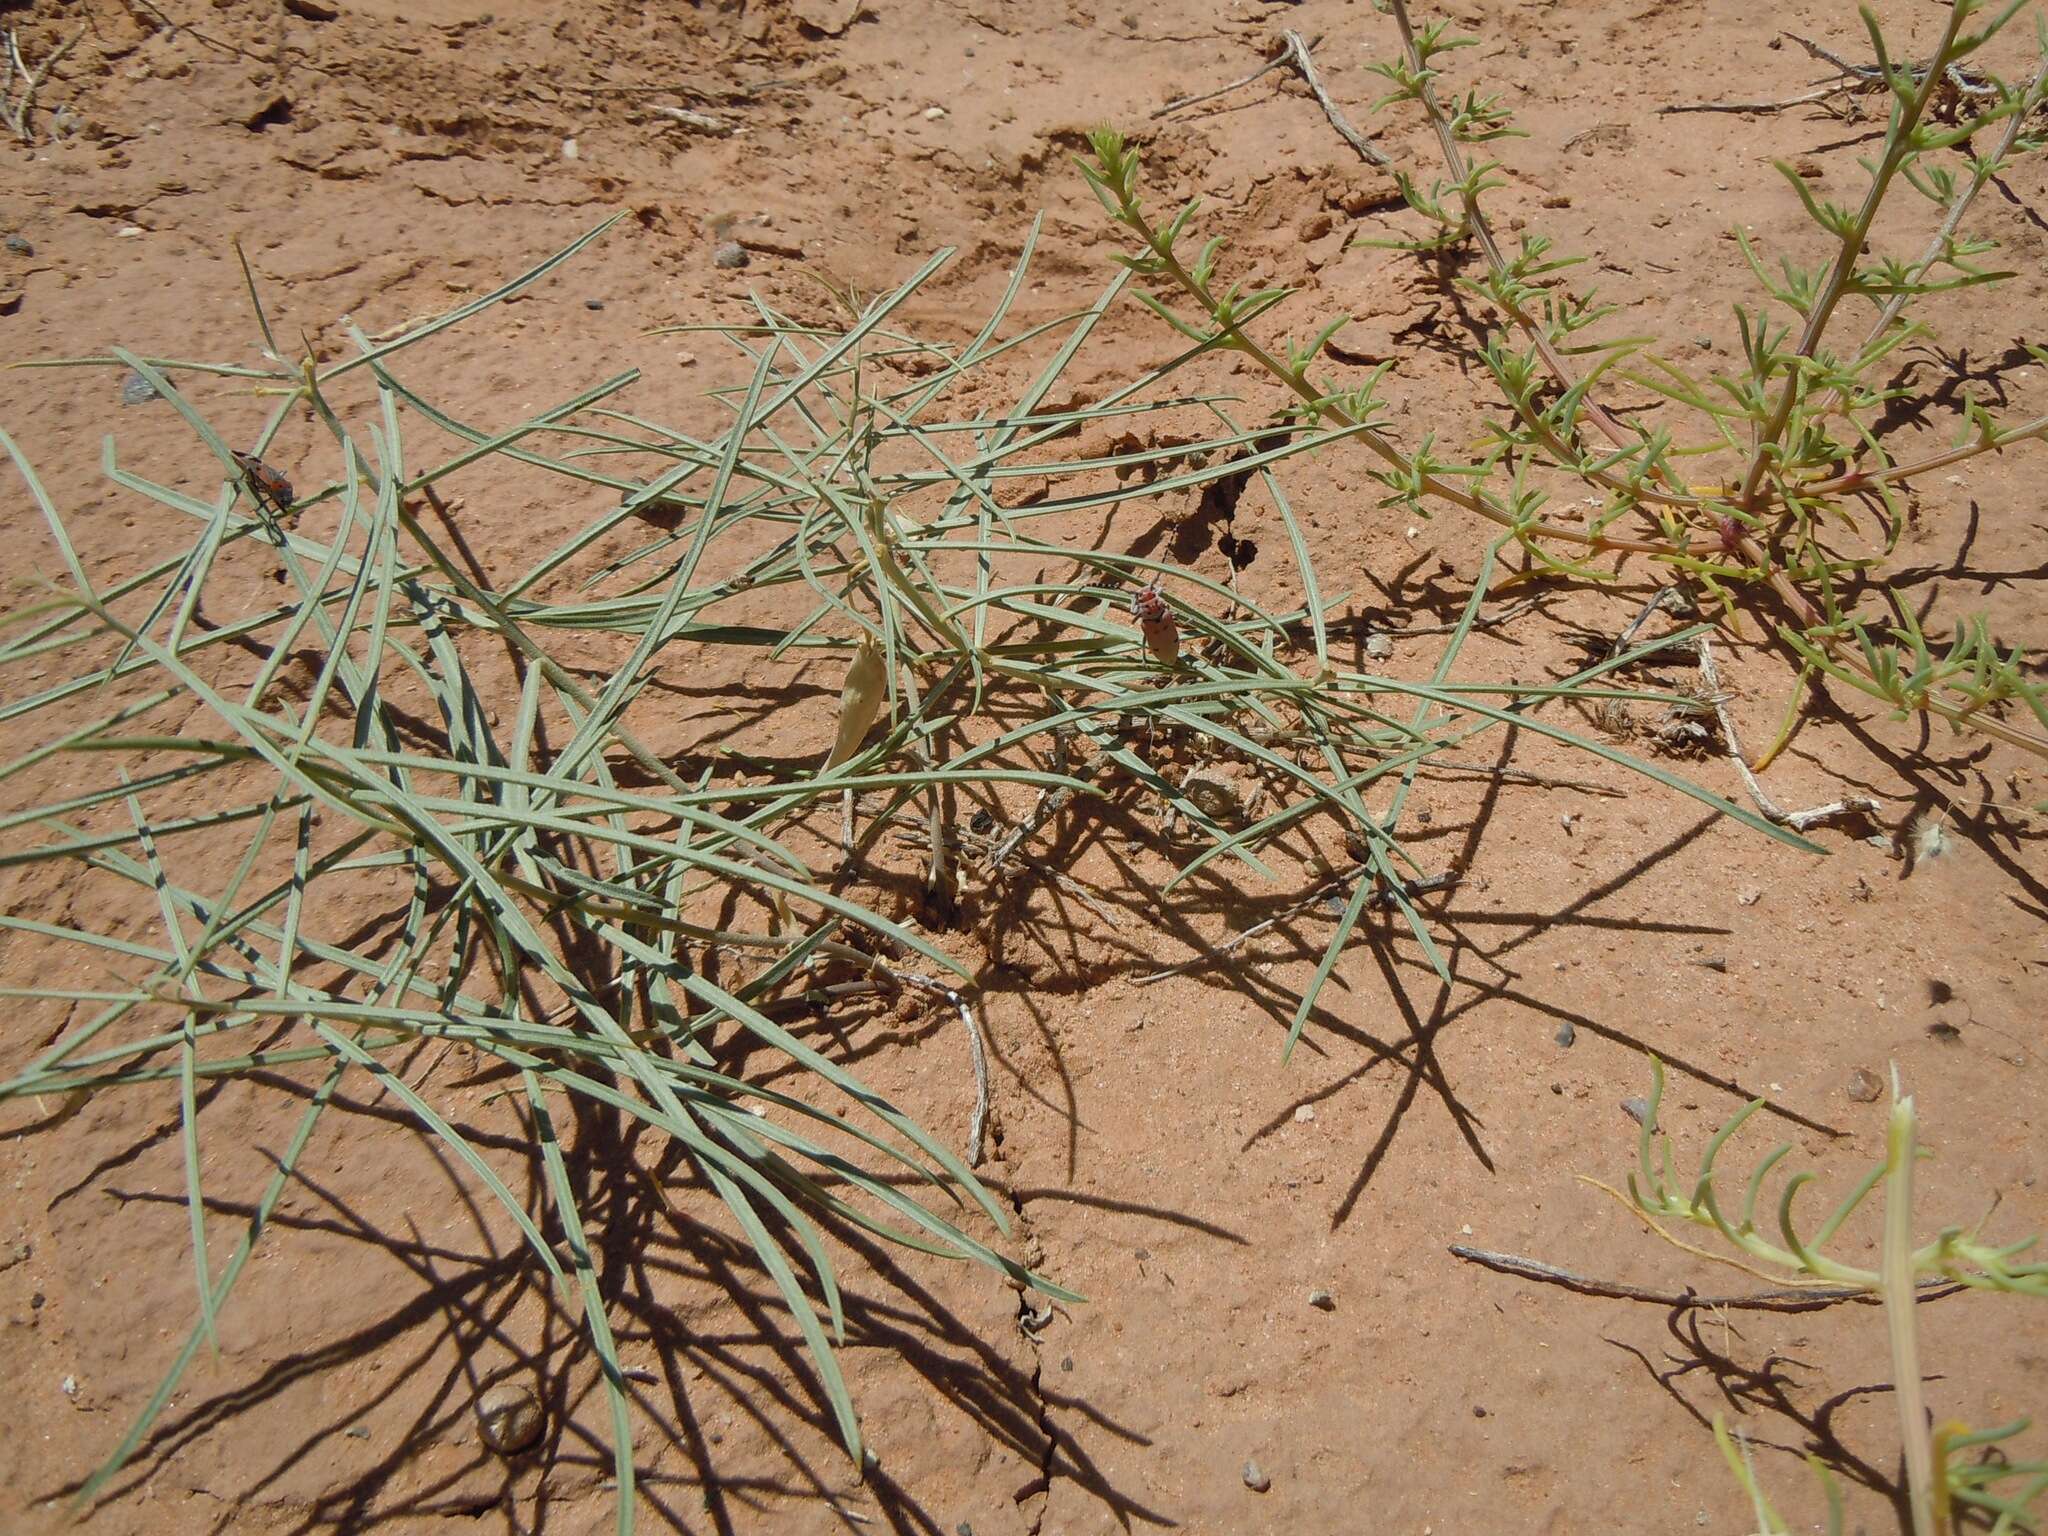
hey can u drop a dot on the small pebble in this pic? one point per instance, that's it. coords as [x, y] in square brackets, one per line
[18, 1254]
[70, 1386]
[1566, 1034]
[1864, 1086]
[136, 390]
[593, 303]
[571, 149]
[357, 1432]
[1478, 1411]
[1322, 1301]
[509, 1418]
[19, 247]
[1378, 647]
[1255, 1477]
[1637, 1110]
[1304, 1113]
[1067, 1363]
[1748, 896]
[130, 232]
[933, 114]
[730, 255]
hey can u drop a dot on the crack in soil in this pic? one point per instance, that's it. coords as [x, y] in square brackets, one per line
[1034, 1495]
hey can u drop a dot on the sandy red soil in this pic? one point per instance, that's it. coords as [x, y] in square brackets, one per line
[385, 164]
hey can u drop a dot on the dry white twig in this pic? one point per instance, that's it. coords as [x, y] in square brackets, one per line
[977, 1128]
[1297, 52]
[1798, 821]
[1291, 50]
[696, 122]
[16, 112]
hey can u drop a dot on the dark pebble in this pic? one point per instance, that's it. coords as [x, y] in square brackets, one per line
[136, 390]
[593, 303]
[1566, 1034]
[1067, 1364]
[730, 255]
[1637, 1110]
[19, 247]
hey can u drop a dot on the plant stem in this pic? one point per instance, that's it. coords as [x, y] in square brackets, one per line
[1898, 146]
[1328, 410]
[1900, 1320]
[1482, 231]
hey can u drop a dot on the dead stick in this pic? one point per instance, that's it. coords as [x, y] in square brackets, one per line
[1297, 50]
[1760, 106]
[1798, 821]
[977, 1128]
[1760, 1301]
[17, 113]
[1280, 56]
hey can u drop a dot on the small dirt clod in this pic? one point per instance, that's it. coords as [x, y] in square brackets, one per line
[1864, 1086]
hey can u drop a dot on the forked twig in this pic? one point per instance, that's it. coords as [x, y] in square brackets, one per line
[1797, 1300]
[1291, 49]
[16, 111]
[1871, 75]
[1852, 77]
[1798, 821]
[1297, 52]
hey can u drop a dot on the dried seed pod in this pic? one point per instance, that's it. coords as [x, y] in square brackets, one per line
[1157, 623]
[867, 685]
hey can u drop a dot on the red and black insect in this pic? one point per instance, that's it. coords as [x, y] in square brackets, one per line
[265, 483]
[1157, 623]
